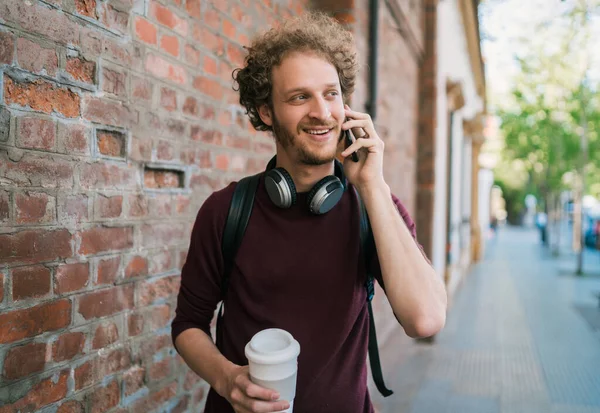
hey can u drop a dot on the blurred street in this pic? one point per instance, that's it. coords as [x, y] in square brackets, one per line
[522, 336]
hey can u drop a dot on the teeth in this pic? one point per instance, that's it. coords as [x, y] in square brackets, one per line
[318, 132]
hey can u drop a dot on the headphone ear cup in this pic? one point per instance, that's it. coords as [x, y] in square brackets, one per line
[280, 187]
[325, 195]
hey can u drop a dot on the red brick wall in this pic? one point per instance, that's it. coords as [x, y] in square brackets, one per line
[117, 120]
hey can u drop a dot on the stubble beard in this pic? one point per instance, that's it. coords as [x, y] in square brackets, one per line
[302, 154]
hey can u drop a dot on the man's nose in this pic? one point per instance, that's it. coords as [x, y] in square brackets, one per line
[320, 109]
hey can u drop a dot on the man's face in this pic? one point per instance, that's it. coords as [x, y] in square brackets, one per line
[308, 109]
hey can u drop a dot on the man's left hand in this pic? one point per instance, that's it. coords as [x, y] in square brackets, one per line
[368, 171]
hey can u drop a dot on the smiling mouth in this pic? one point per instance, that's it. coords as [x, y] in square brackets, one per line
[317, 132]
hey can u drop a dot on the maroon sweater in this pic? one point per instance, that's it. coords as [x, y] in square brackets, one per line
[296, 271]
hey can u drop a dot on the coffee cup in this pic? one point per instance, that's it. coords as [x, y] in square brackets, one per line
[273, 362]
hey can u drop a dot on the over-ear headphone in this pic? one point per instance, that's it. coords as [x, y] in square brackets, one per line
[323, 196]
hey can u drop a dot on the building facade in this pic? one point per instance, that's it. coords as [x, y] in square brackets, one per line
[118, 119]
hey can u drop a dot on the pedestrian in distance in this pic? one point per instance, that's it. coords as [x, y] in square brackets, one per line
[301, 264]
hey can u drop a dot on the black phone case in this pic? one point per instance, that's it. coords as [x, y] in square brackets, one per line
[349, 141]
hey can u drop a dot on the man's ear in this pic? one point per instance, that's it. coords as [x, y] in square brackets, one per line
[266, 115]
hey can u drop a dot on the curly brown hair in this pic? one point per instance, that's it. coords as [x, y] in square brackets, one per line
[313, 32]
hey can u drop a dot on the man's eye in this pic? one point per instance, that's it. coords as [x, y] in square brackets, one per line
[333, 93]
[299, 97]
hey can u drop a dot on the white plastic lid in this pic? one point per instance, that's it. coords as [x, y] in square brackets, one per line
[272, 346]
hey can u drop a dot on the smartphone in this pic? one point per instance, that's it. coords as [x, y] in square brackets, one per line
[350, 139]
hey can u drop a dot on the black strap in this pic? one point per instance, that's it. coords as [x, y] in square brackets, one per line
[368, 250]
[238, 216]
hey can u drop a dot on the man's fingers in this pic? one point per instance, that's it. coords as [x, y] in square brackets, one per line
[360, 143]
[257, 392]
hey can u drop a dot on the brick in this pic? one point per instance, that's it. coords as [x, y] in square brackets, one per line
[7, 48]
[114, 82]
[165, 151]
[155, 290]
[49, 390]
[36, 133]
[109, 206]
[213, 137]
[160, 261]
[109, 112]
[210, 65]
[168, 99]
[24, 360]
[108, 270]
[114, 19]
[101, 239]
[141, 149]
[42, 96]
[161, 205]
[228, 29]
[32, 246]
[101, 175]
[106, 302]
[104, 398]
[158, 317]
[138, 206]
[161, 179]
[190, 106]
[34, 18]
[160, 370]
[124, 54]
[111, 143]
[209, 40]
[133, 380]
[137, 267]
[35, 58]
[170, 44]
[73, 139]
[192, 55]
[165, 16]
[212, 18]
[135, 324]
[153, 345]
[71, 406]
[75, 208]
[193, 8]
[222, 162]
[145, 31]
[105, 334]
[208, 86]
[35, 208]
[141, 88]
[156, 399]
[35, 170]
[159, 67]
[183, 204]
[96, 369]
[68, 346]
[71, 277]
[29, 282]
[29, 322]
[86, 7]
[81, 69]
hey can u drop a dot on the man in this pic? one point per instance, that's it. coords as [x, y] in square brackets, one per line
[297, 270]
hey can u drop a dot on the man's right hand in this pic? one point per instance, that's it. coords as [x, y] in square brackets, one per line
[247, 397]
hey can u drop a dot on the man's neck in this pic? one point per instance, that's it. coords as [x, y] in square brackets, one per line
[304, 176]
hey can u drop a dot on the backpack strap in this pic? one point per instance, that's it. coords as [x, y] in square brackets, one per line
[238, 216]
[367, 244]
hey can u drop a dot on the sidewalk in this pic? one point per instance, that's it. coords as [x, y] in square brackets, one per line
[519, 339]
